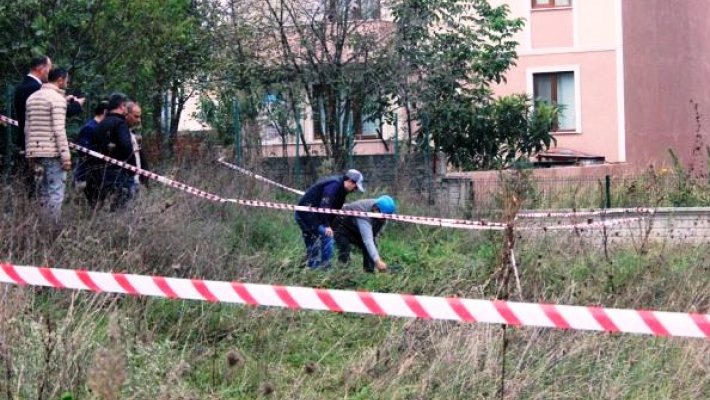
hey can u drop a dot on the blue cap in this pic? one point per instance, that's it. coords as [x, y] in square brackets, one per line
[386, 204]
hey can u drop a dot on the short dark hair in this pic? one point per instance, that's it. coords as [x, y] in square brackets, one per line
[116, 100]
[101, 108]
[39, 61]
[57, 73]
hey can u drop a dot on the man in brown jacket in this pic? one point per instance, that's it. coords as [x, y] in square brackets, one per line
[46, 140]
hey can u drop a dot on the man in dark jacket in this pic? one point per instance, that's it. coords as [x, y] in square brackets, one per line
[39, 71]
[112, 139]
[32, 82]
[316, 227]
[362, 231]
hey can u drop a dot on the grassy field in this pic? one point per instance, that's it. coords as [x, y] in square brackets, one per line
[60, 344]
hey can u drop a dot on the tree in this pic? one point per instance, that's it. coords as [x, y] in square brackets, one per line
[499, 133]
[323, 54]
[154, 50]
[449, 53]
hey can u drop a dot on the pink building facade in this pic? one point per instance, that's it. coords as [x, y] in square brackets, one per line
[624, 71]
[627, 73]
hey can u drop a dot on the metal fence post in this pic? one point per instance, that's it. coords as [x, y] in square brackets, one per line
[7, 153]
[297, 161]
[427, 159]
[396, 140]
[351, 139]
[237, 132]
[607, 190]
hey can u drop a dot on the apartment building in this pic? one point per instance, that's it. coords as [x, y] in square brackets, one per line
[626, 73]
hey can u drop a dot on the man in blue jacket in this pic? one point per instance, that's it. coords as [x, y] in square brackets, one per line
[316, 227]
[86, 137]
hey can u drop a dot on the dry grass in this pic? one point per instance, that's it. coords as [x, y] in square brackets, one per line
[107, 346]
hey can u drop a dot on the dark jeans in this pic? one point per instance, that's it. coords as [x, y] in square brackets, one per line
[24, 173]
[344, 241]
[316, 245]
[106, 182]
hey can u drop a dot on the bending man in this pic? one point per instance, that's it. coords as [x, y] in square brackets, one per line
[362, 231]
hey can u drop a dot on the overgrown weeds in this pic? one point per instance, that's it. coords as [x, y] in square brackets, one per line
[108, 346]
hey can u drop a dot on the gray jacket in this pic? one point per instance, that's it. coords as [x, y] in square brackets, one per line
[364, 228]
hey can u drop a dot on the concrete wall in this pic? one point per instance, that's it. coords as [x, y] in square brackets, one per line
[666, 65]
[671, 226]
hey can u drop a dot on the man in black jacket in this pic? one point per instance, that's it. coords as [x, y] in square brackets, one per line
[112, 139]
[39, 71]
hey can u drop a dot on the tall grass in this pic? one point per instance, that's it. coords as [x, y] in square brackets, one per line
[84, 345]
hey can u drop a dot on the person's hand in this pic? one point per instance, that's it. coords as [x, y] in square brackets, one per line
[66, 165]
[325, 230]
[80, 100]
[381, 266]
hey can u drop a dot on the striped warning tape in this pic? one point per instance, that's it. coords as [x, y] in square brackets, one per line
[589, 224]
[430, 221]
[586, 213]
[259, 177]
[644, 322]
[150, 175]
[522, 215]
[443, 222]
[8, 120]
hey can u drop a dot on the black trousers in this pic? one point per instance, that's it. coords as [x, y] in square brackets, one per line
[344, 242]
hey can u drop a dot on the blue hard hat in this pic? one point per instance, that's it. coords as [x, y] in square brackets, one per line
[386, 204]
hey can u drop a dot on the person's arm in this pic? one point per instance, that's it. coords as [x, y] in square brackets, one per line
[329, 192]
[74, 106]
[365, 228]
[84, 138]
[124, 139]
[59, 116]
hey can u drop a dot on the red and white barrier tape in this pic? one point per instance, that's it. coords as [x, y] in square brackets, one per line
[657, 323]
[259, 177]
[9, 120]
[530, 215]
[443, 222]
[581, 225]
[151, 175]
[431, 221]
[523, 215]
[586, 213]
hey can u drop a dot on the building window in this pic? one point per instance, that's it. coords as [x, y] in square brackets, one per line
[558, 88]
[551, 3]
